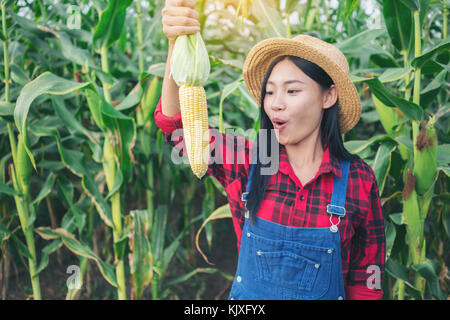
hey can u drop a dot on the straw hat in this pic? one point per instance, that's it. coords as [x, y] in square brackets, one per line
[324, 54]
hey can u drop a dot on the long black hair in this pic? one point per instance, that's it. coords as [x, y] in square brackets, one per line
[329, 128]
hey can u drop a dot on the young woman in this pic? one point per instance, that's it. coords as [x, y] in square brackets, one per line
[313, 229]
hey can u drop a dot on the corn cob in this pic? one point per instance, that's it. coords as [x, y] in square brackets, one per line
[411, 210]
[190, 69]
[194, 115]
[389, 118]
[387, 115]
[425, 157]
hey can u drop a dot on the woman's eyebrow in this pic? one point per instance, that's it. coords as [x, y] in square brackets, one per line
[286, 82]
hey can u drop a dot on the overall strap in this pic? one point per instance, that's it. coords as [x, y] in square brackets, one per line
[337, 205]
[247, 190]
[249, 182]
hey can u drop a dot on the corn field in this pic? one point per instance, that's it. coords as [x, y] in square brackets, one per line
[93, 207]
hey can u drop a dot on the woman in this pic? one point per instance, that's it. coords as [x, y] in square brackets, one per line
[313, 229]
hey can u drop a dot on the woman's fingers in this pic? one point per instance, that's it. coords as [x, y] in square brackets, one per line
[179, 17]
[172, 32]
[181, 3]
[180, 21]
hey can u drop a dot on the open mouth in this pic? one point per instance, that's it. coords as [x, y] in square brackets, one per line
[279, 124]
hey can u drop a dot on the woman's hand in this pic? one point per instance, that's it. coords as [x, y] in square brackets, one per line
[179, 17]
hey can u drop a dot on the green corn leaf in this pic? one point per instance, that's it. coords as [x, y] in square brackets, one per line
[94, 102]
[171, 249]
[73, 161]
[393, 74]
[158, 232]
[46, 83]
[45, 189]
[411, 110]
[359, 40]
[390, 233]
[398, 271]
[269, 19]
[413, 5]
[151, 98]
[45, 253]
[5, 189]
[399, 24]
[21, 246]
[141, 260]
[227, 90]
[71, 123]
[189, 275]
[419, 61]
[131, 100]
[7, 110]
[111, 22]
[73, 53]
[79, 249]
[220, 213]
[382, 163]
[350, 6]
[427, 270]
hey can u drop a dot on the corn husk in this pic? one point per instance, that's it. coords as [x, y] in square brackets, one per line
[425, 157]
[190, 69]
[189, 63]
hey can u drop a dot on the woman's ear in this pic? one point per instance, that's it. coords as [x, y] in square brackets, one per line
[330, 97]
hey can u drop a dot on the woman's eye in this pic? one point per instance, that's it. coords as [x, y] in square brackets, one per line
[289, 91]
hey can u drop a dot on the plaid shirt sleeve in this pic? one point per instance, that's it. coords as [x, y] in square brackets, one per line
[368, 252]
[228, 153]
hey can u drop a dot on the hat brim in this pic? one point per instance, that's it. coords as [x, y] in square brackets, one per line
[264, 52]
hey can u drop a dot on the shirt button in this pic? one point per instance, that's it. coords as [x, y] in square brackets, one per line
[302, 197]
[238, 279]
[248, 234]
[330, 251]
[258, 252]
[316, 266]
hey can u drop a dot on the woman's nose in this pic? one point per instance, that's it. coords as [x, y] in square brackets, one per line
[278, 103]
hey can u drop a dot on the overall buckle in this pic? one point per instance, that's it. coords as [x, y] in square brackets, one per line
[339, 212]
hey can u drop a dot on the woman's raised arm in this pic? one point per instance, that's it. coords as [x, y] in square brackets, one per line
[178, 17]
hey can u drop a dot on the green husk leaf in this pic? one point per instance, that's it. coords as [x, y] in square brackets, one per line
[189, 64]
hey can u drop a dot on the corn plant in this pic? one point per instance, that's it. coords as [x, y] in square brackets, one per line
[77, 129]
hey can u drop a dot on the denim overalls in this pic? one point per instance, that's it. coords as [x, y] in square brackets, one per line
[278, 262]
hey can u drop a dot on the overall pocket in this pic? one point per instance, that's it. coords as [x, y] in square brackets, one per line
[304, 270]
[287, 269]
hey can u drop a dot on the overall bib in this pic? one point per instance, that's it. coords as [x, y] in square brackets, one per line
[278, 262]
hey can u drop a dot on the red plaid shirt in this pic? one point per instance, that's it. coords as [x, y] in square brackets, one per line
[287, 202]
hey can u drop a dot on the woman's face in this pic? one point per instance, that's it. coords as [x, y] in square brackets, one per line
[294, 103]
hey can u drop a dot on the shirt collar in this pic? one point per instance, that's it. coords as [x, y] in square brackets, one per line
[330, 163]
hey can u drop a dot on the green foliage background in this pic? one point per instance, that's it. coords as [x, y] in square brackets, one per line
[83, 166]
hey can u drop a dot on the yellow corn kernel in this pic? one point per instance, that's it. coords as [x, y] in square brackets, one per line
[194, 115]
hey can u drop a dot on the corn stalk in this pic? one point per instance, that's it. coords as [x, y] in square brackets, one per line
[417, 248]
[108, 30]
[20, 173]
